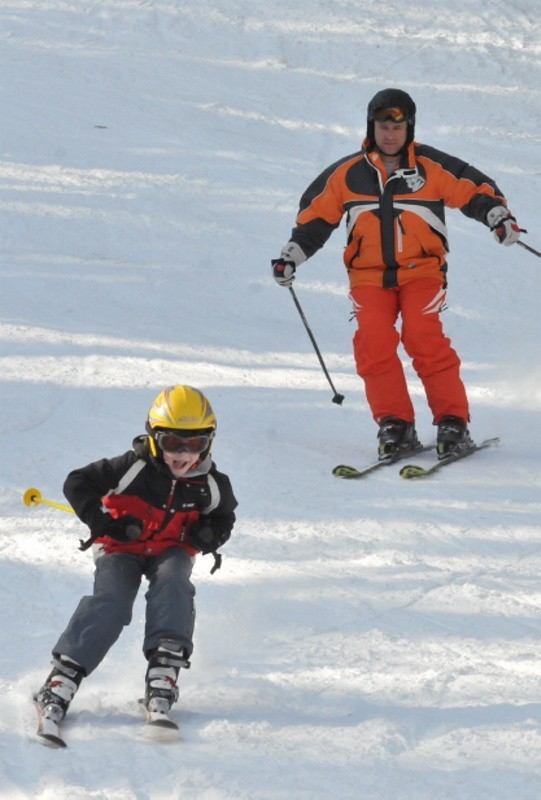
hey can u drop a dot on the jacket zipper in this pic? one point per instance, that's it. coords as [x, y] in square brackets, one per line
[167, 509]
[399, 234]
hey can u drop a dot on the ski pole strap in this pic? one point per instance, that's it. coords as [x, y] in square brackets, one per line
[84, 545]
[217, 562]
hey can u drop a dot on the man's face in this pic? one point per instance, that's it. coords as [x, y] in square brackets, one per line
[390, 136]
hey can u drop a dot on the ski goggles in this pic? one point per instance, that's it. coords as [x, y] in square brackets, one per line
[394, 114]
[172, 443]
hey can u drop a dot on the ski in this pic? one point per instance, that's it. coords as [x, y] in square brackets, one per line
[352, 473]
[159, 724]
[410, 471]
[48, 732]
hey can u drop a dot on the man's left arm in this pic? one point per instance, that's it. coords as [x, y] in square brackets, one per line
[475, 194]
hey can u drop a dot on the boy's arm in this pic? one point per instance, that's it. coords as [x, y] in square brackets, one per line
[85, 487]
[211, 531]
[213, 528]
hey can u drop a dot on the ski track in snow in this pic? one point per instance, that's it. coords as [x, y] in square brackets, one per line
[375, 639]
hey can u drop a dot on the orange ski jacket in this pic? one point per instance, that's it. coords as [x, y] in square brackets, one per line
[395, 224]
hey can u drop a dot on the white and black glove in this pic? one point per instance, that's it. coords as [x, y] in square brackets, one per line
[283, 271]
[283, 268]
[503, 225]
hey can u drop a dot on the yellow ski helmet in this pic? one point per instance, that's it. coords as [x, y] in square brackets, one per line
[181, 409]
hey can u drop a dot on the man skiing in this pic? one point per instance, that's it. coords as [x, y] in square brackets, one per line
[394, 192]
[149, 511]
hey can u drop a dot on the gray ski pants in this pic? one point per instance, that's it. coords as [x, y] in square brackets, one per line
[99, 618]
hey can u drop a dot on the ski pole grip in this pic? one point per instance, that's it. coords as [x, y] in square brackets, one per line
[133, 532]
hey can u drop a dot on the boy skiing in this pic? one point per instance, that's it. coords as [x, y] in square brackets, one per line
[149, 511]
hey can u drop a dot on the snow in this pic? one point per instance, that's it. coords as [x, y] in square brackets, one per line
[370, 640]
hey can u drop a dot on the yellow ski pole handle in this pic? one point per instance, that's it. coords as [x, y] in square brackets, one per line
[33, 497]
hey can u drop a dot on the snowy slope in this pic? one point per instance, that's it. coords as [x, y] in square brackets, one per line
[375, 640]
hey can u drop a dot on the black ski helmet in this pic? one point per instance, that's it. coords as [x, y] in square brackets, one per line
[391, 98]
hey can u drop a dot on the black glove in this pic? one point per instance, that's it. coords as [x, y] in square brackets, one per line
[124, 529]
[283, 271]
[203, 538]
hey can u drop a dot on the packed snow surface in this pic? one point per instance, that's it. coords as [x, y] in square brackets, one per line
[377, 639]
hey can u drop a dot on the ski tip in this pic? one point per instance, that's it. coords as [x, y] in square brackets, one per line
[162, 731]
[165, 724]
[48, 730]
[412, 471]
[160, 726]
[345, 471]
[52, 741]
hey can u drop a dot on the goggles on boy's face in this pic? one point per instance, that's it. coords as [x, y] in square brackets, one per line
[394, 114]
[172, 443]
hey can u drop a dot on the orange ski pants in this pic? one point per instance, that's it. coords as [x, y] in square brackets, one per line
[375, 346]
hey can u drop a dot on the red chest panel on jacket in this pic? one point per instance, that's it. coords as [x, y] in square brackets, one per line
[162, 528]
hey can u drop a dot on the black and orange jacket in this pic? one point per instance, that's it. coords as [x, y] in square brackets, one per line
[395, 224]
[141, 485]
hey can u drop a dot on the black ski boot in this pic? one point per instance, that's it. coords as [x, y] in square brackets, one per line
[453, 437]
[161, 690]
[395, 435]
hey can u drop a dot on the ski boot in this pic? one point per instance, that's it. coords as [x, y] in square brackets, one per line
[53, 699]
[453, 437]
[396, 435]
[161, 678]
[58, 690]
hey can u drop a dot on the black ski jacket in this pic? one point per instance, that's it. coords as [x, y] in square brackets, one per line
[140, 484]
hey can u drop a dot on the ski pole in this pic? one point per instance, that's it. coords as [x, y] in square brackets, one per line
[338, 398]
[33, 497]
[531, 249]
